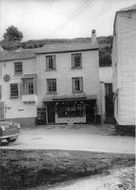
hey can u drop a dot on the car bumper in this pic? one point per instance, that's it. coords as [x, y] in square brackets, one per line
[9, 136]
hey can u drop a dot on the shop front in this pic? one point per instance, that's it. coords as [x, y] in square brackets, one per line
[70, 109]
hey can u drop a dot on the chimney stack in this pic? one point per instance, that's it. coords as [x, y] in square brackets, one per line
[94, 39]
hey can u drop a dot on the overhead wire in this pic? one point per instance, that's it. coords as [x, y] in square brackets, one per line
[74, 14]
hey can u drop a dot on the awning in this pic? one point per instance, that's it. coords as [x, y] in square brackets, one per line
[73, 97]
[27, 76]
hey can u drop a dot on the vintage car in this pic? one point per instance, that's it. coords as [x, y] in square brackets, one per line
[9, 131]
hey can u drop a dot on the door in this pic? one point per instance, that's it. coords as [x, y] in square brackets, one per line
[51, 112]
[2, 110]
[90, 111]
[109, 106]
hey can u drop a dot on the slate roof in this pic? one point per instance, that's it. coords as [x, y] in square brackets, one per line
[72, 46]
[15, 55]
[67, 47]
[133, 7]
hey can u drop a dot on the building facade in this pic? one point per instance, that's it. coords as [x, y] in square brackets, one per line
[106, 94]
[58, 83]
[124, 66]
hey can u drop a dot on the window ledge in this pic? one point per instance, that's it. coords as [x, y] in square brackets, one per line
[50, 70]
[78, 92]
[14, 97]
[18, 74]
[51, 93]
[74, 68]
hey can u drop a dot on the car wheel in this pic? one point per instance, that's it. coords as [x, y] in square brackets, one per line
[11, 139]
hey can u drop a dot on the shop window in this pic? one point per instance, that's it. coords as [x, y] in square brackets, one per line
[51, 86]
[77, 84]
[18, 69]
[28, 86]
[51, 62]
[14, 90]
[76, 60]
[70, 109]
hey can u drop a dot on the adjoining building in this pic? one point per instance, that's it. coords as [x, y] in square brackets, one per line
[58, 83]
[18, 85]
[124, 68]
[106, 94]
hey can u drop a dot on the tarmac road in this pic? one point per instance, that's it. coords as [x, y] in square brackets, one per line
[84, 138]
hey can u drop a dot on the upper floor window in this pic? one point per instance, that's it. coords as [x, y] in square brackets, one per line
[18, 68]
[28, 86]
[77, 84]
[51, 86]
[14, 90]
[51, 62]
[76, 60]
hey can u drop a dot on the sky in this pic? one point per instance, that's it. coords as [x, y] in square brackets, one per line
[42, 19]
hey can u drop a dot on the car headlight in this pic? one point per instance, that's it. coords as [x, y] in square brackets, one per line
[18, 126]
[3, 128]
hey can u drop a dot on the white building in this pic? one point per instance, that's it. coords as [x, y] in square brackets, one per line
[59, 82]
[124, 67]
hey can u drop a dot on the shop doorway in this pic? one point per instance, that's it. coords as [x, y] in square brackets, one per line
[90, 111]
[51, 112]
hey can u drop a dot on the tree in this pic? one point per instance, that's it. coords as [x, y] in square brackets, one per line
[12, 34]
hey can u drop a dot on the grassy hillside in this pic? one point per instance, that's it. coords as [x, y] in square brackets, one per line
[104, 45]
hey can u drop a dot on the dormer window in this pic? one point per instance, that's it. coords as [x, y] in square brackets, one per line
[51, 62]
[18, 69]
[76, 60]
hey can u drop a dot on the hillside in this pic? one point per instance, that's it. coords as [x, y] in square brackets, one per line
[104, 45]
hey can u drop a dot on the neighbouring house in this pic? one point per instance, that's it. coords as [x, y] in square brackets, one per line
[124, 68]
[18, 86]
[106, 94]
[58, 83]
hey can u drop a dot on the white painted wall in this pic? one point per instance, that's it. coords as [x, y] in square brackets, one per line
[64, 74]
[15, 108]
[125, 73]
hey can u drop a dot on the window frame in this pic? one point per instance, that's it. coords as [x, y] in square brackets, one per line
[11, 93]
[80, 79]
[16, 72]
[48, 59]
[74, 57]
[49, 80]
[27, 83]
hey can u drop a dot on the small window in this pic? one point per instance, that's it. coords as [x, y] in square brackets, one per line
[51, 86]
[77, 84]
[51, 62]
[76, 60]
[18, 68]
[14, 90]
[28, 86]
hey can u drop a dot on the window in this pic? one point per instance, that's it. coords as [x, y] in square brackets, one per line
[14, 90]
[77, 84]
[108, 88]
[18, 68]
[51, 86]
[51, 62]
[70, 109]
[76, 60]
[28, 86]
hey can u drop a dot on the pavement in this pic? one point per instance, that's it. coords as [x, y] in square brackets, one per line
[101, 138]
